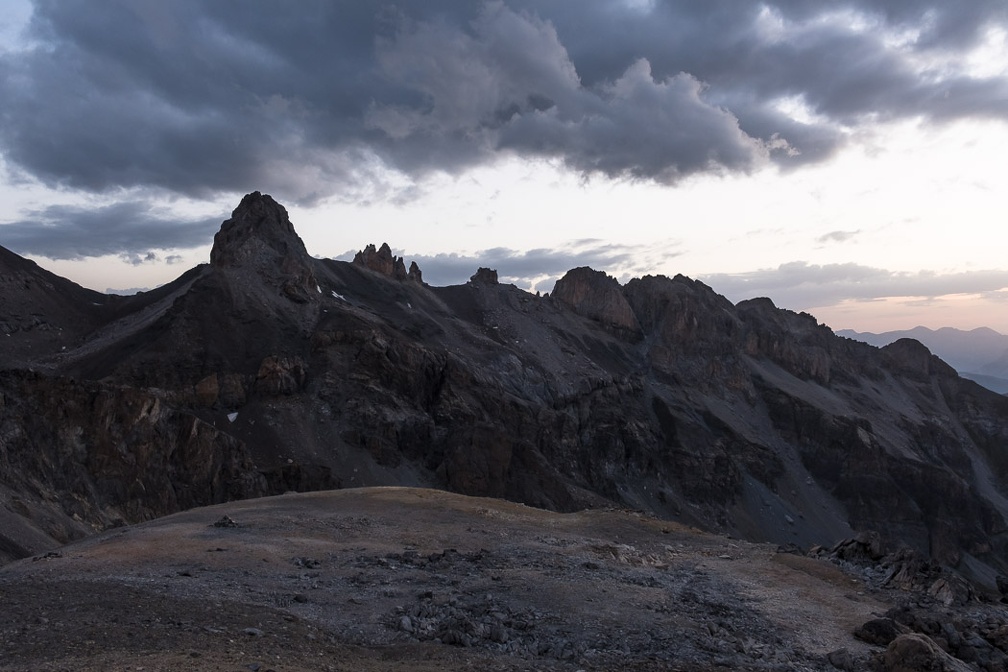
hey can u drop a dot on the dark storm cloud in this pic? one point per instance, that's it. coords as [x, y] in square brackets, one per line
[801, 286]
[131, 229]
[538, 268]
[321, 98]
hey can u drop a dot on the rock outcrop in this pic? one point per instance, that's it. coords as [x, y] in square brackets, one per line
[108, 455]
[381, 260]
[918, 653]
[599, 297]
[484, 276]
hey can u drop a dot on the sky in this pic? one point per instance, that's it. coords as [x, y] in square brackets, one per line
[845, 158]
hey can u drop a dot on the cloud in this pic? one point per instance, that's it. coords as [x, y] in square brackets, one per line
[357, 100]
[511, 85]
[140, 259]
[130, 229]
[837, 236]
[801, 286]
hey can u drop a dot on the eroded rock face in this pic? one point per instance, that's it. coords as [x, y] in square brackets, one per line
[113, 454]
[599, 297]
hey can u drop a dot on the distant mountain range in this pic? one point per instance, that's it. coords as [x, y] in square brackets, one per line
[980, 354]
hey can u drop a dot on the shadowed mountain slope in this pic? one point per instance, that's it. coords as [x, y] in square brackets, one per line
[980, 354]
[268, 370]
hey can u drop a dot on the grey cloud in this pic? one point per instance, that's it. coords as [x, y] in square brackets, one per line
[130, 229]
[997, 296]
[322, 98]
[837, 236]
[140, 259]
[639, 127]
[801, 286]
[511, 85]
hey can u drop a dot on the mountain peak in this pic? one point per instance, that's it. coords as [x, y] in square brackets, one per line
[598, 296]
[259, 231]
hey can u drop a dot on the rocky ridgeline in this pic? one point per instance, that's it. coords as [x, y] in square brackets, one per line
[658, 395]
[598, 297]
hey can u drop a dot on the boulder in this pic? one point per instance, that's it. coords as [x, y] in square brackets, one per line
[918, 653]
[880, 631]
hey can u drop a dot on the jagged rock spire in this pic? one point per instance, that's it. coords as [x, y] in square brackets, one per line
[260, 237]
[259, 227]
[381, 260]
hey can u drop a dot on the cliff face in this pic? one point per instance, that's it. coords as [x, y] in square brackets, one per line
[660, 394]
[79, 456]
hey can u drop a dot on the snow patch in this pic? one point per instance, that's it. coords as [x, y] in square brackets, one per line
[232, 417]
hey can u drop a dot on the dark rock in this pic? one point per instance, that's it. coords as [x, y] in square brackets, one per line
[918, 653]
[880, 631]
[279, 375]
[842, 659]
[866, 547]
[599, 297]
[259, 236]
[225, 521]
[907, 569]
[382, 261]
[997, 635]
[484, 276]
[257, 224]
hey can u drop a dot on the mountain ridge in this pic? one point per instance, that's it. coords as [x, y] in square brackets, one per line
[299, 374]
[979, 354]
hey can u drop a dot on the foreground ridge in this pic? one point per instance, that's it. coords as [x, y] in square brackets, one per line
[344, 580]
